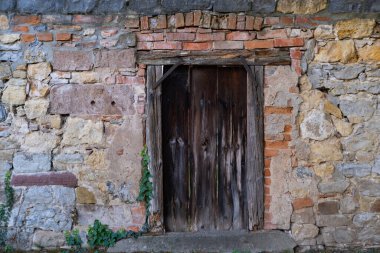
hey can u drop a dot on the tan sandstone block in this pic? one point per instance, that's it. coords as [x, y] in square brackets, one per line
[370, 54]
[84, 196]
[301, 6]
[355, 28]
[337, 51]
[328, 150]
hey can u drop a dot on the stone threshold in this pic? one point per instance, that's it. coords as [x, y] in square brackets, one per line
[231, 241]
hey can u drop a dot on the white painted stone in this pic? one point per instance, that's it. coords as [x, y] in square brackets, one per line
[9, 38]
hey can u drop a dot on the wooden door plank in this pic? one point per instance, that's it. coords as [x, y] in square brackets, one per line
[232, 127]
[175, 141]
[255, 148]
[203, 155]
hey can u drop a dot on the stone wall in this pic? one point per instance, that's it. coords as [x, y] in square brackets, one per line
[73, 97]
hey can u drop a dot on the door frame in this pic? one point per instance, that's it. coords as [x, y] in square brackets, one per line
[255, 140]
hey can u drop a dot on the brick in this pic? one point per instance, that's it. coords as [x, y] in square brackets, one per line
[179, 20]
[195, 46]
[258, 44]
[305, 21]
[87, 19]
[132, 22]
[20, 28]
[72, 60]
[228, 45]
[240, 36]
[189, 19]
[277, 144]
[31, 20]
[270, 152]
[172, 45]
[63, 36]
[197, 18]
[67, 27]
[187, 30]
[219, 36]
[180, 36]
[144, 21]
[150, 36]
[249, 21]
[287, 129]
[44, 36]
[302, 203]
[257, 25]
[295, 53]
[277, 110]
[231, 21]
[28, 38]
[270, 34]
[284, 20]
[130, 80]
[292, 42]
[267, 173]
[204, 30]
[66, 179]
[144, 45]
[267, 163]
[268, 21]
[158, 22]
[240, 25]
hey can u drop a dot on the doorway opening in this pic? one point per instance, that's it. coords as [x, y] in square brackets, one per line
[204, 131]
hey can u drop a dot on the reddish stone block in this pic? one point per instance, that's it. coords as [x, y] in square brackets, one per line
[267, 173]
[240, 36]
[267, 163]
[228, 45]
[240, 25]
[196, 46]
[31, 20]
[144, 21]
[284, 20]
[277, 110]
[130, 80]
[179, 20]
[56, 19]
[270, 34]
[296, 66]
[180, 36]
[258, 44]
[305, 21]
[88, 19]
[206, 20]
[292, 42]
[72, 60]
[28, 38]
[375, 207]
[132, 22]
[94, 99]
[189, 19]
[276, 144]
[66, 179]
[118, 58]
[150, 37]
[231, 21]
[172, 45]
[302, 203]
[287, 129]
[20, 28]
[63, 36]
[138, 214]
[257, 25]
[295, 53]
[271, 21]
[44, 36]
[197, 18]
[144, 45]
[270, 153]
[328, 207]
[249, 21]
[210, 36]
[158, 22]
[109, 32]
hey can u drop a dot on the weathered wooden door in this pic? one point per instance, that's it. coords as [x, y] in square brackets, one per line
[204, 149]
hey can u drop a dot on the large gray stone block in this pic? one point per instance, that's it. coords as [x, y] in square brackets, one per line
[7, 5]
[369, 188]
[110, 6]
[75, 6]
[232, 6]
[144, 6]
[354, 169]
[29, 163]
[170, 6]
[263, 6]
[333, 187]
[341, 6]
[37, 6]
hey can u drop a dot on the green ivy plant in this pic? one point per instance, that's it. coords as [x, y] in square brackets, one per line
[74, 241]
[5, 210]
[146, 186]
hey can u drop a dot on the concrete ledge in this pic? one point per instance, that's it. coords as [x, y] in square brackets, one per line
[242, 241]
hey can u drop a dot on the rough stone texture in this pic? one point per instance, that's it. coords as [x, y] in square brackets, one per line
[36, 108]
[341, 6]
[348, 205]
[333, 187]
[323, 32]
[332, 220]
[72, 60]
[14, 94]
[115, 58]
[9, 38]
[328, 150]
[344, 235]
[4, 22]
[39, 71]
[337, 51]
[5, 70]
[80, 131]
[300, 6]
[41, 179]
[328, 207]
[48, 239]
[355, 170]
[369, 54]
[355, 28]
[316, 126]
[67, 161]
[94, 99]
[84, 196]
[45, 208]
[38, 142]
[29, 163]
[228, 6]
[358, 108]
[304, 231]
[264, 6]
[303, 216]
[370, 188]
